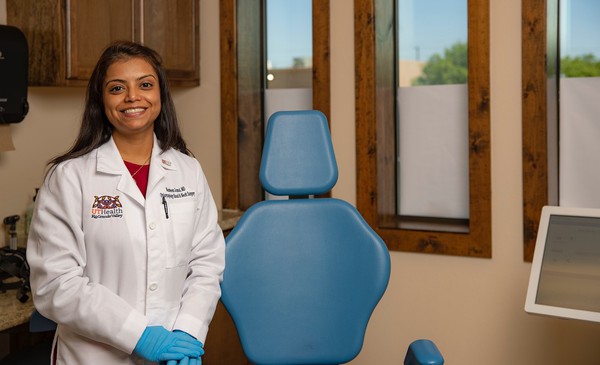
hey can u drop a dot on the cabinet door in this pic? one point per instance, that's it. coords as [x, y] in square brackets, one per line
[42, 22]
[172, 29]
[91, 26]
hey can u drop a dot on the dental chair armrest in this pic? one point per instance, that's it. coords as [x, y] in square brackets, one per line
[423, 352]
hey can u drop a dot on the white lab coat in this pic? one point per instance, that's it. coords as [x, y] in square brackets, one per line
[105, 262]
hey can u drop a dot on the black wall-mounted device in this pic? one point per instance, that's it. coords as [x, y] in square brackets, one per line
[14, 67]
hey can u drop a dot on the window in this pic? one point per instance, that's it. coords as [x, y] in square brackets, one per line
[579, 87]
[432, 174]
[376, 122]
[289, 45]
[557, 56]
[243, 86]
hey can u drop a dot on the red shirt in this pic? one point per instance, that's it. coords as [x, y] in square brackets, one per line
[139, 174]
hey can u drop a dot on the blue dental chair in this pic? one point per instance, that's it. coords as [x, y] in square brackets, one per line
[304, 274]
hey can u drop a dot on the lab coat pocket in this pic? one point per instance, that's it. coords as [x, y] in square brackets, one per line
[181, 222]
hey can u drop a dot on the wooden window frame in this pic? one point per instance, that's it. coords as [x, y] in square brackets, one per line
[242, 93]
[375, 131]
[539, 31]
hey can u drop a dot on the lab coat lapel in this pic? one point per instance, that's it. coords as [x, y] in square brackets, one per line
[109, 161]
[159, 164]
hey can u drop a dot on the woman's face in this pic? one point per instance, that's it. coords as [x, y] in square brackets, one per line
[131, 95]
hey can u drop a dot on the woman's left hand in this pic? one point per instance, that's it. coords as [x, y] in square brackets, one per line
[194, 361]
[186, 361]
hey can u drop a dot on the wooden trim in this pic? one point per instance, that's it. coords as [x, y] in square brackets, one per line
[539, 45]
[480, 211]
[366, 141]
[386, 106]
[373, 108]
[241, 102]
[321, 75]
[229, 117]
[535, 157]
[250, 75]
[321, 79]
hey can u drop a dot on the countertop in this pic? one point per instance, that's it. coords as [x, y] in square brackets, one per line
[228, 218]
[14, 313]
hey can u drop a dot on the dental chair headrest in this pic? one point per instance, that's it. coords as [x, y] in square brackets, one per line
[298, 157]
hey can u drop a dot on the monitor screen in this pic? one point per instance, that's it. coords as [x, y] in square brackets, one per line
[565, 272]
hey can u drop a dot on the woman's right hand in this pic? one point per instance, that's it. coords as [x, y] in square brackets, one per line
[159, 344]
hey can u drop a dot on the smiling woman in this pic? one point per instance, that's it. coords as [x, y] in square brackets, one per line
[128, 269]
[131, 104]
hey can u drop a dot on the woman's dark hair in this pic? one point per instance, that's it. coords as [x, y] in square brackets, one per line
[95, 127]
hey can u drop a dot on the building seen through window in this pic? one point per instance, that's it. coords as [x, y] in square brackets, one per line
[432, 113]
[579, 85]
[289, 44]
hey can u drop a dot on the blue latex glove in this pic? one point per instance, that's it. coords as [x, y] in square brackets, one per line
[192, 360]
[186, 360]
[159, 344]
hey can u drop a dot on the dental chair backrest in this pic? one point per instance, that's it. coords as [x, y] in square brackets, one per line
[303, 275]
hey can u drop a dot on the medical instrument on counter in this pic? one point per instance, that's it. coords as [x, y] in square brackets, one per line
[14, 273]
[14, 269]
[11, 222]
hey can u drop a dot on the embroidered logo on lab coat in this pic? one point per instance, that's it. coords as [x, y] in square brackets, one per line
[106, 206]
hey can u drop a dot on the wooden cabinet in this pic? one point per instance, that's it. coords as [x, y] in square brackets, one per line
[66, 37]
[89, 27]
[223, 345]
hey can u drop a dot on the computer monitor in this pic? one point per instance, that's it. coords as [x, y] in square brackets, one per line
[565, 272]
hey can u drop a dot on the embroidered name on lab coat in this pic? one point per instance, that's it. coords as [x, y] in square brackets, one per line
[177, 193]
[106, 206]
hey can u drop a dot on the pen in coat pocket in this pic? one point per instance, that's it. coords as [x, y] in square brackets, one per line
[164, 202]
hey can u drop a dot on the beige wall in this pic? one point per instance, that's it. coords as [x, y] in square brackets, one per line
[472, 308]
